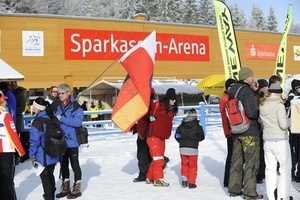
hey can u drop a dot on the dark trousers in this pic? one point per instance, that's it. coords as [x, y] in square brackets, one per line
[24, 137]
[143, 156]
[71, 154]
[262, 164]
[228, 161]
[7, 170]
[245, 149]
[48, 182]
[295, 152]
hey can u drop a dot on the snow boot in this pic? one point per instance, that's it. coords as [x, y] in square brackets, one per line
[76, 192]
[191, 186]
[148, 181]
[259, 196]
[184, 184]
[160, 183]
[65, 189]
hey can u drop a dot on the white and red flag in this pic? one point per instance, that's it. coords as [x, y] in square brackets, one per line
[133, 100]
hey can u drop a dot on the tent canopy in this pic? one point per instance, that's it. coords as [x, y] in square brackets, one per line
[104, 87]
[8, 73]
[105, 91]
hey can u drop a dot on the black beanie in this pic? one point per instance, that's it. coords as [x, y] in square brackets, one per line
[295, 84]
[262, 83]
[229, 82]
[170, 94]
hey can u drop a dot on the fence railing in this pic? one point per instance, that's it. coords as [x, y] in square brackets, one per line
[208, 115]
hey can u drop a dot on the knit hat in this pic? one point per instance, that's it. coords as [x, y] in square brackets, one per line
[190, 115]
[244, 73]
[38, 106]
[2, 97]
[262, 83]
[192, 112]
[171, 94]
[229, 82]
[295, 84]
[275, 88]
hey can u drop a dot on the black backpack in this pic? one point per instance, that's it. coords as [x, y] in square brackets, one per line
[55, 142]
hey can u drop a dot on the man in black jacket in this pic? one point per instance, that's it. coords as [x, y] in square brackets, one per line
[246, 148]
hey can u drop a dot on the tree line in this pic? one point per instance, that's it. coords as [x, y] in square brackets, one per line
[198, 12]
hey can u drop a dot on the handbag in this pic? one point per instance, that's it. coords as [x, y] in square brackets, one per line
[82, 135]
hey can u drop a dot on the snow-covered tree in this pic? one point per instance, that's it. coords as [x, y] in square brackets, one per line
[238, 16]
[128, 9]
[151, 9]
[272, 23]
[295, 28]
[206, 13]
[169, 11]
[190, 14]
[257, 19]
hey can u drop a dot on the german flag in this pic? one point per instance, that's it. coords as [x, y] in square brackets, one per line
[133, 100]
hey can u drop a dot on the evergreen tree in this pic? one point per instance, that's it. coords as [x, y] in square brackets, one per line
[257, 19]
[151, 9]
[295, 28]
[127, 10]
[206, 13]
[169, 11]
[238, 17]
[190, 12]
[272, 23]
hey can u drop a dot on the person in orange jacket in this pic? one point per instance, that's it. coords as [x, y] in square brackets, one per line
[9, 143]
[226, 128]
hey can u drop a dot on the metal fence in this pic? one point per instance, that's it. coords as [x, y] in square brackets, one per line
[208, 115]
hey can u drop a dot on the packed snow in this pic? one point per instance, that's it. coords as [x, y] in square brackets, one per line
[109, 165]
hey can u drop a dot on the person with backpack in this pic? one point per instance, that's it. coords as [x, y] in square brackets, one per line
[246, 148]
[9, 143]
[70, 115]
[188, 134]
[37, 147]
[276, 122]
[226, 129]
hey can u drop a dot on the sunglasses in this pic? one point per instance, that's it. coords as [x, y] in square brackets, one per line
[173, 99]
[62, 93]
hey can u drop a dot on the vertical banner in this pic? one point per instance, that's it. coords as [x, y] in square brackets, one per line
[229, 48]
[280, 66]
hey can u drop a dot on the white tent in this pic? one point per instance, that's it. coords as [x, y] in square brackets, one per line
[7, 73]
[107, 91]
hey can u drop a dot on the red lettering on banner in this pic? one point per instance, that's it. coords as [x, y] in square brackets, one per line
[256, 51]
[110, 45]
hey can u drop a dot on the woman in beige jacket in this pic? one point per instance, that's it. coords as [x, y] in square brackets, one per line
[276, 144]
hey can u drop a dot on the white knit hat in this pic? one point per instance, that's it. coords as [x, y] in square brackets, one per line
[38, 106]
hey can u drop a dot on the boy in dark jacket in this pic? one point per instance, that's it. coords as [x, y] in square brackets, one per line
[189, 133]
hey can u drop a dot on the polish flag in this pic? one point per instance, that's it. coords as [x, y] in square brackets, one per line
[133, 101]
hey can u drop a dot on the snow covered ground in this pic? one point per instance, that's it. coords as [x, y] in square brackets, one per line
[109, 165]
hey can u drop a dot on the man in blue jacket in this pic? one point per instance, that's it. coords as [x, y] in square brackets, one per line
[70, 115]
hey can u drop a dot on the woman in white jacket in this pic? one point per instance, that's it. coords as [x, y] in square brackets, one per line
[276, 145]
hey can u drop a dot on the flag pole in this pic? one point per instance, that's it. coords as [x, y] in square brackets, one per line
[96, 79]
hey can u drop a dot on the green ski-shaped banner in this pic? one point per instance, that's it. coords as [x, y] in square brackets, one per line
[229, 47]
[280, 67]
